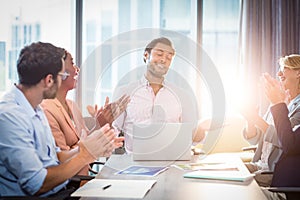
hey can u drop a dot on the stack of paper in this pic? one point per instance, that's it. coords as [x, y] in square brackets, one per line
[218, 174]
[110, 188]
[216, 170]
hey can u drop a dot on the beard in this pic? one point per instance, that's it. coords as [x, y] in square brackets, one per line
[157, 70]
[51, 93]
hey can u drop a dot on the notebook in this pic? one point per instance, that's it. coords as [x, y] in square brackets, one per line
[167, 141]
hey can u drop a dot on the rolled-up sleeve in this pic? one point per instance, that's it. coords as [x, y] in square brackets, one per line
[19, 159]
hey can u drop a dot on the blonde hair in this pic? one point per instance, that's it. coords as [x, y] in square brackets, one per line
[291, 61]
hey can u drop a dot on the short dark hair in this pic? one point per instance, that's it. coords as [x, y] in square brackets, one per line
[154, 42]
[37, 60]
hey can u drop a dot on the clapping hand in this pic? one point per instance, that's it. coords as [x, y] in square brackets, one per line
[100, 143]
[274, 91]
[111, 111]
[92, 110]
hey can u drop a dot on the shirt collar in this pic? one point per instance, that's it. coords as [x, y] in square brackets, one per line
[24, 103]
[295, 100]
[145, 82]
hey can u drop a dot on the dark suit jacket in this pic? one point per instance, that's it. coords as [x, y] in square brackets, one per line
[286, 171]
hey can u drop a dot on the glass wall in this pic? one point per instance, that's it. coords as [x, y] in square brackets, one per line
[23, 22]
[220, 41]
[114, 36]
[115, 33]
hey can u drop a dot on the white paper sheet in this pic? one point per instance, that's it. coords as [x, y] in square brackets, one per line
[118, 189]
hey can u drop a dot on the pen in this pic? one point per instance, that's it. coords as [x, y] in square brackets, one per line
[106, 186]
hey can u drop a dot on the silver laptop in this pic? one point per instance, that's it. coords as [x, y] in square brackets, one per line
[168, 141]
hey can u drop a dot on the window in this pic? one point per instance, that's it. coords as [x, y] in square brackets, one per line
[23, 22]
[220, 41]
[108, 57]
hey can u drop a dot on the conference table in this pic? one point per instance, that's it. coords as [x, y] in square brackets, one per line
[172, 185]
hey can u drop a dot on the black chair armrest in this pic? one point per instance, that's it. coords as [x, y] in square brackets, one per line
[267, 172]
[284, 189]
[83, 177]
[25, 198]
[75, 181]
[95, 163]
[291, 193]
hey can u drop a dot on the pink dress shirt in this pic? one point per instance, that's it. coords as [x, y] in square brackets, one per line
[146, 107]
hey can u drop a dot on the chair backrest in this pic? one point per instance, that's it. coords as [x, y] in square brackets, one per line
[227, 139]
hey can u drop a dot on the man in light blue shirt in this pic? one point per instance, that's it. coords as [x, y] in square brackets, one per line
[30, 163]
[21, 130]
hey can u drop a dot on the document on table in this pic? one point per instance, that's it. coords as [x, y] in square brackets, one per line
[110, 188]
[235, 176]
[230, 174]
[142, 170]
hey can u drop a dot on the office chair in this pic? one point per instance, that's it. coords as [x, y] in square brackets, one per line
[79, 180]
[75, 182]
[227, 139]
[291, 193]
[91, 169]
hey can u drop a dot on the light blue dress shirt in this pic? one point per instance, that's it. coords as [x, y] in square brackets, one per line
[27, 147]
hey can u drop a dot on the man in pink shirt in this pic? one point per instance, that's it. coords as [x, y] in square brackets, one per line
[153, 99]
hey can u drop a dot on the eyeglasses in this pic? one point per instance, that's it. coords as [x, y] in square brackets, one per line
[64, 75]
[284, 68]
